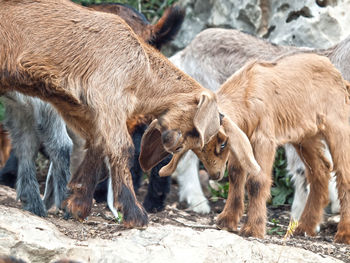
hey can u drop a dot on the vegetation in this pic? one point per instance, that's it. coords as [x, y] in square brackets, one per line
[152, 9]
[276, 228]
[2, 111]
[281, 191]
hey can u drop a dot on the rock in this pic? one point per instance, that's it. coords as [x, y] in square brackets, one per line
[306, 23]
[34, 239]
[309, 23]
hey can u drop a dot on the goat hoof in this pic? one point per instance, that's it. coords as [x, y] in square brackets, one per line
[302, 230]
[78, 207]
[36, 208]
[136, 217]
[226, 222]
[252, 231]
[201, 207]
[153, 205]
[342, 237]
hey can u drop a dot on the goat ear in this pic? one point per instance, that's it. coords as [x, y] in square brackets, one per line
[207, 118]
[170, 168]
[240, 147]
[152, 150]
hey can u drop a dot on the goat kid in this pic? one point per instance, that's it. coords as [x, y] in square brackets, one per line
[216, 53]
[57, 55]
[34, 124]
[299, 99]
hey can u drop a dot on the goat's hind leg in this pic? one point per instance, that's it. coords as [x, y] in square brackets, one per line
[338, 139]
[20, 123]
[317, 168]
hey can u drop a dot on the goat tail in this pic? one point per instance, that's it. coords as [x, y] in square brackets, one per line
[167, 26]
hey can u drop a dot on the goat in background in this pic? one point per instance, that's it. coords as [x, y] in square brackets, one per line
[35, 125]
[97, 73]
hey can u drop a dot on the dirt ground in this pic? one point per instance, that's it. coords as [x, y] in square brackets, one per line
[101, 224]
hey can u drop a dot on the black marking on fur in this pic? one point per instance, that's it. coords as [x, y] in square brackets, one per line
[237, 201]
[131, 212]
[254, 188]
[192, 133]
[8, 174]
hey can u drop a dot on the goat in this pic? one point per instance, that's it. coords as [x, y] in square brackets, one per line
[299, 99]
[34, 123]
[215, 54]
[97, 73]
[5, 146]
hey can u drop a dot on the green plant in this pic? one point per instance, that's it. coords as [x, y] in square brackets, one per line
[220, 190]
[275, 229]
[282, 190]
[2, 111]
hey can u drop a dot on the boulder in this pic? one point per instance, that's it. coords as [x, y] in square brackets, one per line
[34, 239]
[309, 23]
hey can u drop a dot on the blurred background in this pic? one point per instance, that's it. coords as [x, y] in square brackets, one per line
[311, 23]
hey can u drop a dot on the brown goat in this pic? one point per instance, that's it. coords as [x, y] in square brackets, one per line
[5, 146]
[158, 34]
[97, 73]
[298, 99]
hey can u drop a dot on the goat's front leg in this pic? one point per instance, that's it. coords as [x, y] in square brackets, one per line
[134, 215]
[258, 187]
[229, 218]
[83, 182]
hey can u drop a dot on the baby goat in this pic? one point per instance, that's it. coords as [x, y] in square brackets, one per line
[298, 99]
[34, 124]
[216, 53]
[97, 73]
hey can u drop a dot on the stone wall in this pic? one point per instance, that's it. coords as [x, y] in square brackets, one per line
[310, 23]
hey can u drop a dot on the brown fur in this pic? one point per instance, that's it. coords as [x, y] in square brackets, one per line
[97, 73]
[5, 146]
[156, 35]
[297, 99]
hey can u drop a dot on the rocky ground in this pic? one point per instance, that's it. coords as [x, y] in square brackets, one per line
[177, 220]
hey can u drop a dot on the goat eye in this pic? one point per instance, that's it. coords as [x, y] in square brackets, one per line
[223, 145]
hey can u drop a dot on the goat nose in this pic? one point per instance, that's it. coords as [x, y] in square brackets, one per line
[215, 176]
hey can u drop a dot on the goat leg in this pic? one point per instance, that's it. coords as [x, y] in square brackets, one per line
[134, 215]
[229, 218]
[83, 183]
